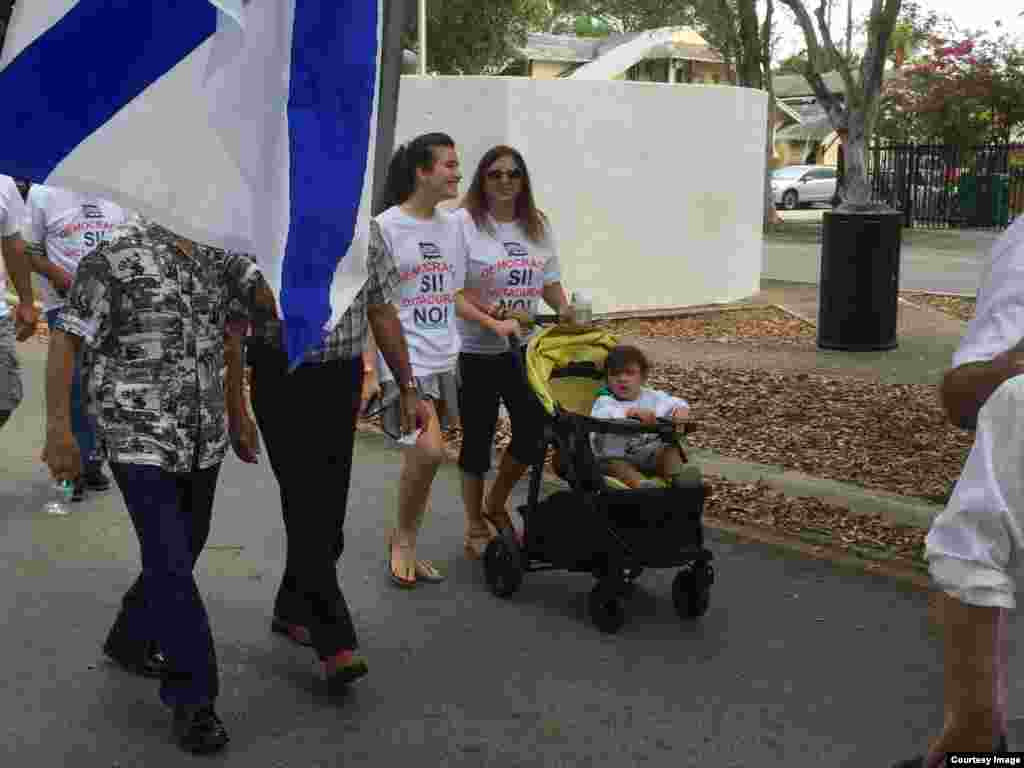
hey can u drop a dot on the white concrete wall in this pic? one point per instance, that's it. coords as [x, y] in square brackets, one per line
[654, 190]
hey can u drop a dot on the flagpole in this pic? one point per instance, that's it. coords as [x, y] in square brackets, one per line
[423, 36]
[394, 21]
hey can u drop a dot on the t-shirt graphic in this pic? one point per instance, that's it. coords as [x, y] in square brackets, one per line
[433, 308]
[507, 270]
[69, 226]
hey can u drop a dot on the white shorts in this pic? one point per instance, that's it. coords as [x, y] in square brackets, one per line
[974, 546]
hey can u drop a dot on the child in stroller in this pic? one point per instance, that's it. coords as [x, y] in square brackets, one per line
[627, 459]
[598, 524]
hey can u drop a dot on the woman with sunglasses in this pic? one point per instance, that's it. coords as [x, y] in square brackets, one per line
[512, 264]
[428, 250]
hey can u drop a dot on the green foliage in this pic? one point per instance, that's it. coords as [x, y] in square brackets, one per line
[629, 15]
[961, 92]
[471, 37]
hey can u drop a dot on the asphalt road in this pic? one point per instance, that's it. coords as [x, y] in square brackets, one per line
[797, 663]
[950, 263]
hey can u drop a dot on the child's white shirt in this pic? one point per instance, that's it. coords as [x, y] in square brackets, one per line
[636, 448]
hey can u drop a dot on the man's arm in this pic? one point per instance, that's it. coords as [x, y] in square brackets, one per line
[61, 452]
[245, 438]
[18, 267]
[966, 388]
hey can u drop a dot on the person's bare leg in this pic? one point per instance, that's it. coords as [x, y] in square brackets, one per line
[624, 472]
[478, 532]
[1002, 677]
[970, 650]
[420, 465]
[670, 466]
[510, 472]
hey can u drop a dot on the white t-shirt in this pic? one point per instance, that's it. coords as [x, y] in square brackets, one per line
[507, 268]
[70, 226]
[12, 219]
[998, 322]
[431, 261]
[638, 447]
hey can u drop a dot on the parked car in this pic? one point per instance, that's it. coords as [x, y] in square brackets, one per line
[797, 185]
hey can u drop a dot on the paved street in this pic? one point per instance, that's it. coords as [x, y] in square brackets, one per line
[930, 260]
[798, 663]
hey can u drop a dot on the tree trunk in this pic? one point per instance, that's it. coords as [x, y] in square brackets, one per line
[771, 215]
[856, 190]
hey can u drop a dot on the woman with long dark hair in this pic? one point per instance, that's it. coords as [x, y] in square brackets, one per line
[512, 264]
[427, 247]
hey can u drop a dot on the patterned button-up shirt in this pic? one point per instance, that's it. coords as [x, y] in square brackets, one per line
[155, 315]
[347, 340]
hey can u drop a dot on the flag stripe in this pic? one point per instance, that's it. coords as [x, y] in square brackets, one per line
[79, 73]
[333, 82]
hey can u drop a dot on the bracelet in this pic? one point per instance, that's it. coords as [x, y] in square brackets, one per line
[369, 369]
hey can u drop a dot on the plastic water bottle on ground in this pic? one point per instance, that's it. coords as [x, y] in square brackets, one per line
[59, 503]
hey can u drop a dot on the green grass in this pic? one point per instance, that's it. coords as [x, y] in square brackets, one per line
[809, 232]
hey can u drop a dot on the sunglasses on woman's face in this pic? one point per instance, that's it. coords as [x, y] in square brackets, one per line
[496, 175]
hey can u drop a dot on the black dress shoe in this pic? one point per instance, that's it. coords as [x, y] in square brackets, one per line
[95, 480]
[146, 660]
[198, 729]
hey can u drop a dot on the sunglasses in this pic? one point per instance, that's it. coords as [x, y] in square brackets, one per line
[515, 173]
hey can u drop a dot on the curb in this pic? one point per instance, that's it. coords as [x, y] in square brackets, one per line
[903, 510]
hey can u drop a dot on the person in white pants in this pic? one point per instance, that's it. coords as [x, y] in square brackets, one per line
[974, 546]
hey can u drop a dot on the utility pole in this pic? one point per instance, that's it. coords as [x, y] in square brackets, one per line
[423, 36]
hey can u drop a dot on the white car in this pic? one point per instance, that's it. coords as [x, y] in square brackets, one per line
[797, 185]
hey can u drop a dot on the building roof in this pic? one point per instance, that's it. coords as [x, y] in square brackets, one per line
[790, 86]
[814, 129]
[571, 49]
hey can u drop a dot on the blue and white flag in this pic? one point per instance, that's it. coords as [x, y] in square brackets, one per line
[246, 124]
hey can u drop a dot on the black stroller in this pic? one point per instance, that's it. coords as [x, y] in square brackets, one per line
[599, 525]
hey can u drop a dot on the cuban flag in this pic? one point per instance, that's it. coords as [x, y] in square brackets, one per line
[245, 124]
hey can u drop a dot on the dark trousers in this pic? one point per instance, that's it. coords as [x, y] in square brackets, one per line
[171, 514]
[308, 420]
[483, 381]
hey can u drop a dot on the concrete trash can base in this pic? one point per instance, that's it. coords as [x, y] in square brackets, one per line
[858, 290]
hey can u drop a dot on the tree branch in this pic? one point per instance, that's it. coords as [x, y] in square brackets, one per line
[813, 74]
[881, 25]
[836, 60]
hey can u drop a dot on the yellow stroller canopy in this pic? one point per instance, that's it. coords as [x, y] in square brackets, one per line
[559, 348]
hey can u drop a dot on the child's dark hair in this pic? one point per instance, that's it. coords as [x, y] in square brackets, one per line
[401, 179]
[622, 356]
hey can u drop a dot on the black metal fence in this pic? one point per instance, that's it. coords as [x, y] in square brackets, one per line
[941, 186]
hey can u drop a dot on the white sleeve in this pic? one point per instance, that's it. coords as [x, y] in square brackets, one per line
[13, 212]
[998, 324]
[606, 408]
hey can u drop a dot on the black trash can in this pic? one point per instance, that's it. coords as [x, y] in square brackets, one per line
[859, 285]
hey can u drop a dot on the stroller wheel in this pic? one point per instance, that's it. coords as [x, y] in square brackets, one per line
[607, 608]
[503, 567]
[691, 590]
